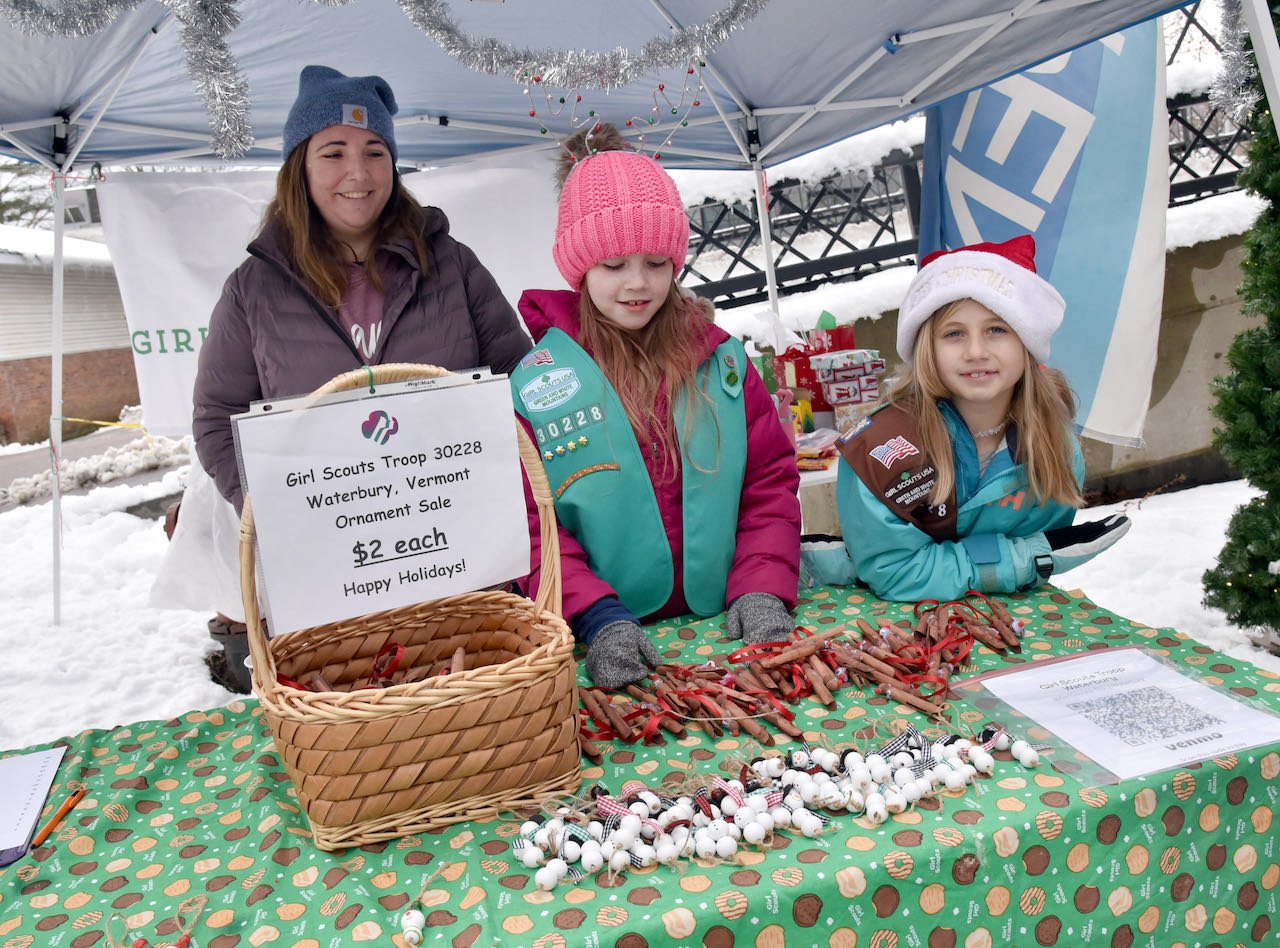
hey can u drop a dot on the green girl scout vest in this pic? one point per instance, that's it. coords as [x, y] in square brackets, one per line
[603, 495]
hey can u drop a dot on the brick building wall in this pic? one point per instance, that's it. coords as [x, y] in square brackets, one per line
[95, 385]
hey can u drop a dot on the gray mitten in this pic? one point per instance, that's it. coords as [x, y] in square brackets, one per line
[619, 655]
[758, 617]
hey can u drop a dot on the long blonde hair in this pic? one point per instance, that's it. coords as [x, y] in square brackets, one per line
[654, 365]
[1042, 409]
[311, 246]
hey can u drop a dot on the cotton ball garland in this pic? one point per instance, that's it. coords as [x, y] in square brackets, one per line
[642, 828]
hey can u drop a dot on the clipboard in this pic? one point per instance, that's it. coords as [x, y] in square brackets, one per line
[24, 786]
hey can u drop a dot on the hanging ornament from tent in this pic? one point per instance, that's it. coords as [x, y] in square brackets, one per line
[1234, 90]
[577, 68]
[549, 108]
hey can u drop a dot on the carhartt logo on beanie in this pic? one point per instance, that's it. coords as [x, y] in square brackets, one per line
[326, 97]
[615, 204]
[1002, 277]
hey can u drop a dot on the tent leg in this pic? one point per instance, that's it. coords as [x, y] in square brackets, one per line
[1257, 15]
[55, 394]
[766, 232]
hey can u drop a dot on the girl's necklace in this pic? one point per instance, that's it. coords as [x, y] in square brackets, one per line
[988, 432]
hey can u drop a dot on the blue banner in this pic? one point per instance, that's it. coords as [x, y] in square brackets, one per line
[1075, 152]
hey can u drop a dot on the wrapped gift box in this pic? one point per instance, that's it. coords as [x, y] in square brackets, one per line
[852, 391]
[829, 340]
[793, 371]
[844, 364]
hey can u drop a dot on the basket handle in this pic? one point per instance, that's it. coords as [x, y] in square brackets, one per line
[548, 596]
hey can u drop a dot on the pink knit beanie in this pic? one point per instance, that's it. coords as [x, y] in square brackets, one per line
[615, 204]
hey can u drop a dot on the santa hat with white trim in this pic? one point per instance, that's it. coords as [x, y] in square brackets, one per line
[1002, 277]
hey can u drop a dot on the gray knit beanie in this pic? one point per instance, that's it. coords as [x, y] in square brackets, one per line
[326, 97]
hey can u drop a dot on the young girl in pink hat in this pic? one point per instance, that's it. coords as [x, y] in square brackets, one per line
[967, 475]
[674, 483]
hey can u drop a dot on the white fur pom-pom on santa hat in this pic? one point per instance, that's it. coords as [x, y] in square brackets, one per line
[1002, 277]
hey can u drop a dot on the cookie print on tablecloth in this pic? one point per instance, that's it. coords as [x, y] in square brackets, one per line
[268, 886]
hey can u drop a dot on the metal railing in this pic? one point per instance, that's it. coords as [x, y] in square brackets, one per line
[852, 223]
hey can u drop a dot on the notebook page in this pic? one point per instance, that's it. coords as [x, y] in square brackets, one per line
[24, 786]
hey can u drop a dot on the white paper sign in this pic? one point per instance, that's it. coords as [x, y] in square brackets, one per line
[1133, 714]
[385, 500]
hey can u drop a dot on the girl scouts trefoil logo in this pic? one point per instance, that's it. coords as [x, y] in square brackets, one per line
[379, 427]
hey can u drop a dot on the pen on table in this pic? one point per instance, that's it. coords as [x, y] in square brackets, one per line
[67, 805]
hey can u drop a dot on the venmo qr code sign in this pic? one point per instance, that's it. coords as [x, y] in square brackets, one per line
[1132, 713]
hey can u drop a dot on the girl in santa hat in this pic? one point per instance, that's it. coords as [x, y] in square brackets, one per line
[968, 474]
[674, 482]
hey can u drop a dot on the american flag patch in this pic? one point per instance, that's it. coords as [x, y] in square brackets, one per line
[895, 449]
[537, 357]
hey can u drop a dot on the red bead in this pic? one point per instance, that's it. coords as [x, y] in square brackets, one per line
[537, 78]
[691, 70]
[533, 112]
[579, 99]
[628, 121]
[661, 86]
[697, 102]
[657, 155]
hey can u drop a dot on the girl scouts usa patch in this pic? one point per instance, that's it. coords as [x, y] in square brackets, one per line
[550, 389]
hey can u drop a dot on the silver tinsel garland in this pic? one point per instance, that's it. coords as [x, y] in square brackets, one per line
[218, 79]
[204, 27]
[225, 91]
[1234, 90]
[575, 68]
[71, 18]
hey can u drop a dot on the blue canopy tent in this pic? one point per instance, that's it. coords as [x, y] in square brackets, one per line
[128, 82]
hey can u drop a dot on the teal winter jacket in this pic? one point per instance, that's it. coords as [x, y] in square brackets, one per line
[1000, 529]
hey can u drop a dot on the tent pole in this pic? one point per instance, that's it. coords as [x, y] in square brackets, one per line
[766, 232]
[55, 393]
[762, 210]
[1257, 16]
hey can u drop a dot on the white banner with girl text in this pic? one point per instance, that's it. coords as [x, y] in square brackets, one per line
[175, 237]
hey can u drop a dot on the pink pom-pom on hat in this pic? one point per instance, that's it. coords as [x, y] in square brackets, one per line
[615, 204]
[1002, 277]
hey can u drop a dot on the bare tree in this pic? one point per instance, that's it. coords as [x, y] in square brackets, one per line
[24, 194]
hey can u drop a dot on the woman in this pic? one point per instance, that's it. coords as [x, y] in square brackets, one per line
[347, 270]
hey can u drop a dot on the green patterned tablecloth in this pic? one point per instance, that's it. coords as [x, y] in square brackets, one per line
[201, 806]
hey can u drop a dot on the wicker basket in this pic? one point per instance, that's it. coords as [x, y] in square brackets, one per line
[377, 763]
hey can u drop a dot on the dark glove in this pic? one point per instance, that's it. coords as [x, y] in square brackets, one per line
[758, 617]
[1081, 542]
[619, 655]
